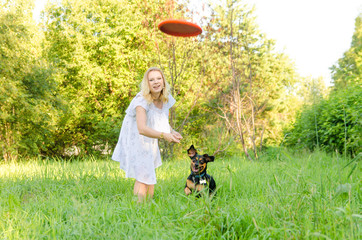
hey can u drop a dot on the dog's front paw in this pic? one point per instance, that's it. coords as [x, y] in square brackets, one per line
[187, 191]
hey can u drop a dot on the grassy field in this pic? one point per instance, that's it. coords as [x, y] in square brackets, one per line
[282, 196]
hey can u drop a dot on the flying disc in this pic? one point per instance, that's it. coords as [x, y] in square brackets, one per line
[179, 28]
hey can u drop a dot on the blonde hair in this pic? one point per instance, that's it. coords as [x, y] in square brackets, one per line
[145, 88]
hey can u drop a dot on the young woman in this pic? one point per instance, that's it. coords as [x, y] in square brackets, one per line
[145, 122]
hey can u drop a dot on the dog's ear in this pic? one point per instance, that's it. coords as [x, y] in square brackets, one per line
[191, 147]
[209, 158]
[191, 151]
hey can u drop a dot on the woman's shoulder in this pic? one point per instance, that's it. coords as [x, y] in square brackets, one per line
[138, 100]
[171, 101]
[170, 96]
[139, 97]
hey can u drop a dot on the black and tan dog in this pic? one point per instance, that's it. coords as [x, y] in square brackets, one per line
[199, 179]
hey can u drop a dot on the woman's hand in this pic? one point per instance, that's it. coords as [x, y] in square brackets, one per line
[176, 134]
[171, 137]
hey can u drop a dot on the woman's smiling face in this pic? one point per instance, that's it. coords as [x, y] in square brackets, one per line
[155, 82]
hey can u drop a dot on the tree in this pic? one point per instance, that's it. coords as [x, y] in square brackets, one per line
[84, 42]
[348, 70]
[332, 123]
[256, 80]
[101, 50]
[28, 101]
[185, 63]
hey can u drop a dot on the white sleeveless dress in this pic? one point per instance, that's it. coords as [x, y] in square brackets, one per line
[140, 155]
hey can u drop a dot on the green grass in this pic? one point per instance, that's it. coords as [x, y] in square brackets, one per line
[282, 196]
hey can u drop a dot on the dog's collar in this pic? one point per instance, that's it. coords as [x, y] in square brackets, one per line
[199, 175]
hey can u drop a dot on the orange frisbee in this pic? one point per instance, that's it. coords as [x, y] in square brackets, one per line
[179, 28]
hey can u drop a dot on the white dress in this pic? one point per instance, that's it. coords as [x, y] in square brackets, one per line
[140, 155]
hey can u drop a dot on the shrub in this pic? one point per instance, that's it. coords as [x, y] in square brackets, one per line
[333, 124]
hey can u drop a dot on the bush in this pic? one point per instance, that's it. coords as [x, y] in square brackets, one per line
[334, 124]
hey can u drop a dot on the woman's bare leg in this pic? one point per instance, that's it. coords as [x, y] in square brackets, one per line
[151, 190]
[143, 191]
[140, 190]
[136, 187]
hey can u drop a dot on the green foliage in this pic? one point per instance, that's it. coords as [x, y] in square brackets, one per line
[69, 91]
[333, 124]
[255, 80]
[28, 101]
[348, 71]
[101, 50]
[282, 196]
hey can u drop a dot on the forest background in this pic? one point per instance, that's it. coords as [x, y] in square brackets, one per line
[66, 82]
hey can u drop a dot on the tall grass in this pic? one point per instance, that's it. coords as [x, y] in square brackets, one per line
[282, 196]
